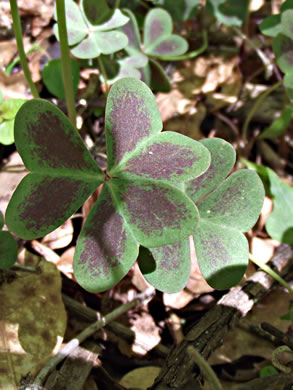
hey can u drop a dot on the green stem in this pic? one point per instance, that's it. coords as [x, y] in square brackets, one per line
[190, 55]
[35, 47]
[205, 368]
[255, 107]
[20, 48]
[117, 3]
[66, 63]
[103, 70]
[272, 273]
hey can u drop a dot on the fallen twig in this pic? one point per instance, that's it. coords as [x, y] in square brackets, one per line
[72, 344]
[207, 334]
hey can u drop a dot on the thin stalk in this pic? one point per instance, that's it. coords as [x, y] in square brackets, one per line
[65, 58]
[205, 368]
[117, 3]
[103, 70]
[272, 273]
[20, 48]
[265, 60]
[255, 107]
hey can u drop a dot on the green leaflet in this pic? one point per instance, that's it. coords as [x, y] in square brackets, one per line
[167, 268]
[106, 248]
[89, 28]
[8, 250]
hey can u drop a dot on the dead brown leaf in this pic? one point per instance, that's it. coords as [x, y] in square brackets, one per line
[33, 322]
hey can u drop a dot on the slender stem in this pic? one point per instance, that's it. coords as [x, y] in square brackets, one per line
[103, 70]
[117, 3]
[255, 107]
[265, 60]
[20, 48]
[89, 331]
[206, 369]
[66, 63]
[272, 273]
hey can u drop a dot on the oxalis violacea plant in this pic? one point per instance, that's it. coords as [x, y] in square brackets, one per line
[148, 194]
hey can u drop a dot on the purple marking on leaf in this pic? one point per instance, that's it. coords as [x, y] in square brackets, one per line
[128, 30]
[214, 251]
[130, 123]
[171, 259]
[230, 201]
[57, 149]
[165, 47]
[48, 200]
[162, 161]
[155, 29]
[203, 180]
[286, 49]
[151, 210]
[104, 241]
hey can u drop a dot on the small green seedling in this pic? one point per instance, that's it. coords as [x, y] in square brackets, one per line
[139, 203]
[229, 12]
[227, 207]
[53, 79]
[8, 247]
[8, 110]
[92, 28]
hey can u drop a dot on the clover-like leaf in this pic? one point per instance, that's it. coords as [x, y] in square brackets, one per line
[157, 213]
[166, 156]
[63, 172]
[222, 254]
[283, 49]
[129, 67]
[96, 12]
[159, 80]
[280, 222]
[106, 248]
[8, 250]
[89, 28]
[167, 268]
[131, 30]
[98, 42]
[136, 206]
[158, 37]
[283, 42]
[222, 161]
[230, 209]
[233, 207]
[132, 116]
[145, 209]
[151, 72]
